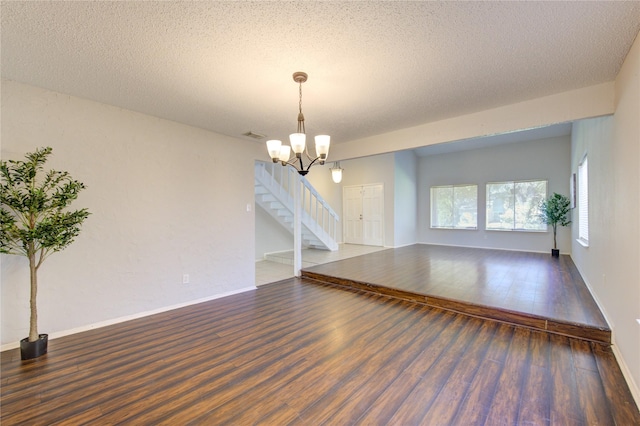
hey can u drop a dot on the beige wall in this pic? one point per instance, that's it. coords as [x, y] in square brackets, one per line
[611, 263]
[164, 203]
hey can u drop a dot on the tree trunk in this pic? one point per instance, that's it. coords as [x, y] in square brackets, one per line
[555, 245]
[33, 272]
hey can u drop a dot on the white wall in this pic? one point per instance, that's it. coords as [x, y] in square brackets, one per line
[164, 203]
[541, 159]
[611, 263]
[405, 209]
[378, 169]
[397, 172]
[271, 237]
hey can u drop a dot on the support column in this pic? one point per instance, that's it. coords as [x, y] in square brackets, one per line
[297, 226]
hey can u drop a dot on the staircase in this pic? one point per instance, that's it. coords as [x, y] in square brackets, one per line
[274, 187]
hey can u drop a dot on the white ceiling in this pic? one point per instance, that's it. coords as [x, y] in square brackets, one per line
[373, 67]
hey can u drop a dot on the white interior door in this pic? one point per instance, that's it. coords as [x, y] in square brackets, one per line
[352, 214]
[363, 214]
[372, 215]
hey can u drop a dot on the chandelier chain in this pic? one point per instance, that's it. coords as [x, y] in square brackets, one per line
[301, 128]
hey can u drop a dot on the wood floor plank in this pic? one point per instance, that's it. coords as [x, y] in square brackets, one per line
[226, 368]
[422, 396]
[394, 396]
[537, 386]
[445, 406]
[475, 405]
[324, 364]
[564, 406]
[621, 400]
[595, 408]
[301, 353]
[260, 377]
[399, 337]
[507, 397]
[373, 384]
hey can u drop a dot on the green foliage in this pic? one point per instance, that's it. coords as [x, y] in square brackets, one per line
[555, 211]
[35, 223]
[32, 210]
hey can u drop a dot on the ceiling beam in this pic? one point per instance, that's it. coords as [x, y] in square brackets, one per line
[588, 102]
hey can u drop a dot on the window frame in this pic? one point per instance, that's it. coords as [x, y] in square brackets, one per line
[543, 226]
[453, 226]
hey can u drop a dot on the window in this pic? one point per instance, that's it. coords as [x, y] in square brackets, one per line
[454, 206]
[583, 202]
[515, 206]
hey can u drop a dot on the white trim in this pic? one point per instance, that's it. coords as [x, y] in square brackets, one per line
[486, 248]
[633, 387]
[626, 373]
[395, 247]
[583, 243]
[583, 201]
[113, 321]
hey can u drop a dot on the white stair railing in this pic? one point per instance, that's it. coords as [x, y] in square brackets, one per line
[316, 212]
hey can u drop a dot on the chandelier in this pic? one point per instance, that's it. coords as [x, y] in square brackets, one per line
[282, 153]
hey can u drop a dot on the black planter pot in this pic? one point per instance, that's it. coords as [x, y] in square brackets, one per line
[30, 350]
[555, 252]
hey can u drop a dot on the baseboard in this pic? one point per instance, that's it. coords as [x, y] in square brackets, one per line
[106, 323]
[633, 386]
[401, 245]
[491, 248]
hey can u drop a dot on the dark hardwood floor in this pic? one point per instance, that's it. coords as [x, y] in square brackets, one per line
[529, 289]
[305, 353]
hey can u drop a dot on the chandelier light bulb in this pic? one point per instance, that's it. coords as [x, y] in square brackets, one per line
[322, 147]
[285, 154]
[273, 147]
[336, 173]
[298, 142]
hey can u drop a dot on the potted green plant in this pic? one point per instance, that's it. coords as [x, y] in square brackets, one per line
[35, 224]
[555, 211]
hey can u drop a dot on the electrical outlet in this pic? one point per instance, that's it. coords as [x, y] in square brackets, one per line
[185, 278]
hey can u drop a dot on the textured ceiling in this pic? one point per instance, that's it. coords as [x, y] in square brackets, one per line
[373, 67]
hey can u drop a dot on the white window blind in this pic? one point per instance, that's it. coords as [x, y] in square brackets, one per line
[583, 201]
[454, 206]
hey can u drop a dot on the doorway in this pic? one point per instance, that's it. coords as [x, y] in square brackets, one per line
[363, 214]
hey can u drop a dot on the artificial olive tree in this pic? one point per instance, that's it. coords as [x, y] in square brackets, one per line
[554, 212]
[34, 221]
